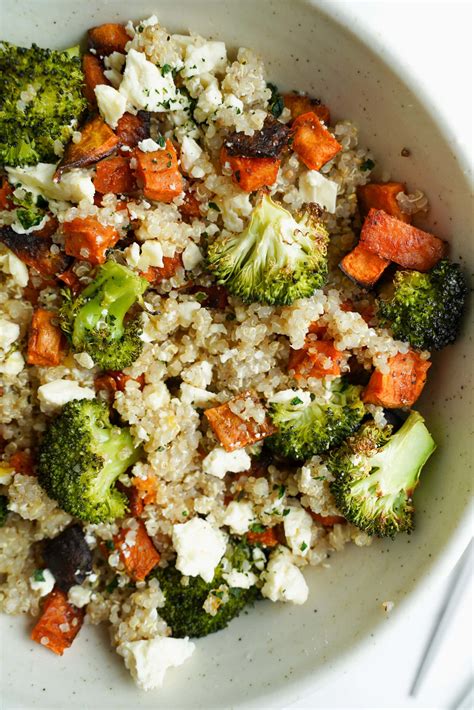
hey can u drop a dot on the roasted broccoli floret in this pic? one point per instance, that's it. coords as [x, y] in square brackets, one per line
[81, 456]
[308, 429]
[94, 321]
[276, 259]
[3, 510]
[184, 610]
[425, 309]
[41, 102]
[30, 210]
[376, 473]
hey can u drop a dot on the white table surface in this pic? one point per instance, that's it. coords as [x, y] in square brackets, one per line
[434, 39]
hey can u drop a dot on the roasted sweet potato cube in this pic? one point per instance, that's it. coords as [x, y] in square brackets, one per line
[265, 538]
[22, 462]
[156, 274]
[235, 431]
[402, 243]
[382, 196]
[268, 142]
[35, 252]
[131, 129]
[158, 173]
[93, 71]
[312, 141]
[318, 358]
[190, 207]
[97, 142]
[114, 175]
[108, 38]
[88, 239]
[251, 174]
[301, 103]
[401, 385]
[363, 266]
[59, 623]
[136, 550]
[6, 194]
[46, 342]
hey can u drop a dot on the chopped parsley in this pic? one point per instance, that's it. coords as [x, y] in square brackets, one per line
[257, 528]
[303, 546]
[275, 104]
[38, 575]
[367, 165]
[165, 69]
[215, 207]
[112, 585]
[296, 400]
[286, 511]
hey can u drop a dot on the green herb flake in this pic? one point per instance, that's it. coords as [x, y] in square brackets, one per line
[275, 104]
[165, 69]
[303, 546]
[296, 400]
[367, 165]
[110, 544]
[286, 511]
[112, 585]
[215, 207]
[200, 296]
[38, 575]
[257, 528]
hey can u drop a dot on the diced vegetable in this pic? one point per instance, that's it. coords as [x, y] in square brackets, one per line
[131, 129]
[381, 196]
[108, 38]
[266, 538]
[46, 342]
[88, 239]
[233, 431]
[6, 194]
[313, 142]
[158, 173]
[22, 462]
[251, 174]
[402, 243]
[318, 358]
[190, 207]
[115, 381]
[93, 76]
[71, 280]
[363, 266]
[48, 229]
[156, 274]
[58, 624]
[299, 104]
[136, 550]
[328, 521]
[268, 142]
[146, 488]
[35, 252]
[114, 175]
[97, 141]
[402, 385]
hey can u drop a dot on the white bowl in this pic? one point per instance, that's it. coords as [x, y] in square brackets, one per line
[277, 651]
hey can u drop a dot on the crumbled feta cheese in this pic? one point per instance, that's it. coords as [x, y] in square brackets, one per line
[114, 77]
[75, 185]
[218, 462]
[209, 99]
[314, 187]
[298, 524]
[149, 660]
[196, 395]
[115, 60]
[44, 583]
[112, 104]
[239, 516]
[13, 364]
[58, 392]
[283, 580]
[84, 360]
[241, 580]
[233, 101]
[209, 57]
[79, 596]
[9, 332]
[149, 254]
[292, 396]
[145, 87]
[190, 153]
[11, 264]
[20, 229]
[198, 374]
[191, 256]
[156, 395]
[199, 547]
[148, 145]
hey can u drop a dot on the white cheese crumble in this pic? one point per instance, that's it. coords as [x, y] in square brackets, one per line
[79, 596]
[291, 396]
[112, 104]
[314, 187]
[218, 462]
[144, 86]
[283, 580]
[196, 395]
[149, 660]
[149, 254]
[298, 524]
[148, 145]
[13, 364]
[43, 586]
[74, 186]
[9, 332]
[57, 393]
[242, 580]
[239, 516]
[12, 265]
[190, 153]
[209, 57]
[191, 256]
[199, 547]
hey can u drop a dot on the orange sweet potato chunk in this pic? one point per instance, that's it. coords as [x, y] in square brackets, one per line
[58, 624]
[158, 173]
[114, 175]
[93, 76]
[131, 129]
[108, 38]
[156, 274]
[88, 239]
[46, 342]
[363, 266]
[251, 174]
[232, 430]
[402, 243]
[22, 462]
[136, 550]
[402, 385]
[318, 358]
[300, 103]
[97, 141]
[266, 538]
[382, 196]
[312, 141]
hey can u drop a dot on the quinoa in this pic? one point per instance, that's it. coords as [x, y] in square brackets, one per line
[192, 352]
